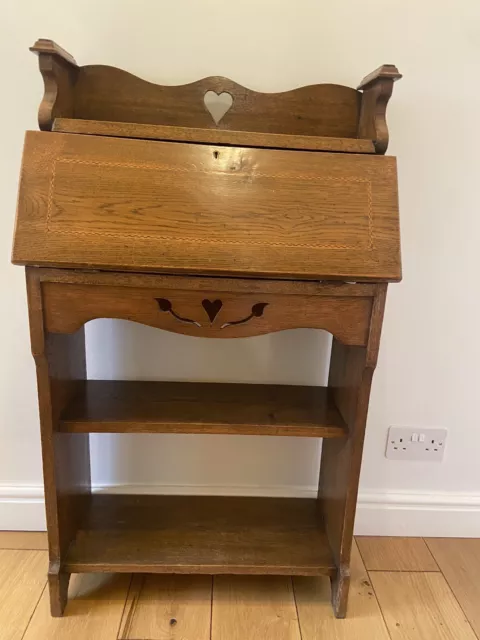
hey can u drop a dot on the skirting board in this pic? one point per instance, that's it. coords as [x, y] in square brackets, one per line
[378, 513]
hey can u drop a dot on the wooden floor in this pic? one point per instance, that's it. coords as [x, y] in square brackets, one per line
[402, 589]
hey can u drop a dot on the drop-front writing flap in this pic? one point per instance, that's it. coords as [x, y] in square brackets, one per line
[123, 204]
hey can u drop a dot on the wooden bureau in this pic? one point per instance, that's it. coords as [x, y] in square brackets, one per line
[138, 202]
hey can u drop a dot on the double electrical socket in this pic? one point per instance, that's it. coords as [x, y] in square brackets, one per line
[404, 443]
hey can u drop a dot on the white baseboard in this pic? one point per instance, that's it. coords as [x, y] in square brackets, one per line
[378, 513]
[446, 515]
[22, 508]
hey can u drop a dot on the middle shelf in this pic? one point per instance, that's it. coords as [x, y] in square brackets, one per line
[120, 406]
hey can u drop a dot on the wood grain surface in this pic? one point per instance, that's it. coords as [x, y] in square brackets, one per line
[349, 380]
[22, 580]
[60, 364]
[459, 561]
[318, 289]
[94, 610]
[258, 608]
[213, 136]
[33, 540]
[161, 206]
[161, 607]
[225, 205]
[292, 539]
[68, 307]
[107, 94]
[173, 607]
[46, 47]
[113, 406]
[59, 72]
[420, 606]
[396, 554]
[315, 615]
[377, 90]
[201, 534]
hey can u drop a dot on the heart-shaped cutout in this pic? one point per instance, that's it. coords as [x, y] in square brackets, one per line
[217, 104]
[212, 308]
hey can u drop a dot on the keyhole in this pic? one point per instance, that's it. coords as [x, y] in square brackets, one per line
[215, 154]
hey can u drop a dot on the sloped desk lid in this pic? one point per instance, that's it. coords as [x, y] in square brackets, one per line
[111, 203]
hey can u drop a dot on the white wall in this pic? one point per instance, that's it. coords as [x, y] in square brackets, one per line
[428, 369]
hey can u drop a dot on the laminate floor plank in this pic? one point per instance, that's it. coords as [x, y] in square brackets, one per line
[384, 605]
[94, 610]
[395, 554]
[254, 608]
[459, 560]
[420, 606]
[136, 584]
[169, 607]
[33, 540]
[364, 619]
[23, 576]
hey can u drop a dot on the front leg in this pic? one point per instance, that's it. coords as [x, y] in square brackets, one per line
[340, 584]
[58, 587]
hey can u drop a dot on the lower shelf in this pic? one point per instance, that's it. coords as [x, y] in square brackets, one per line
[201, 534]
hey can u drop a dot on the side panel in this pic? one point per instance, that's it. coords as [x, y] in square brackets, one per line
[350, 379]
[60, 362]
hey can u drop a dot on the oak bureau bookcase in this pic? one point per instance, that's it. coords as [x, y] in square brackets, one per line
[136, 203]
